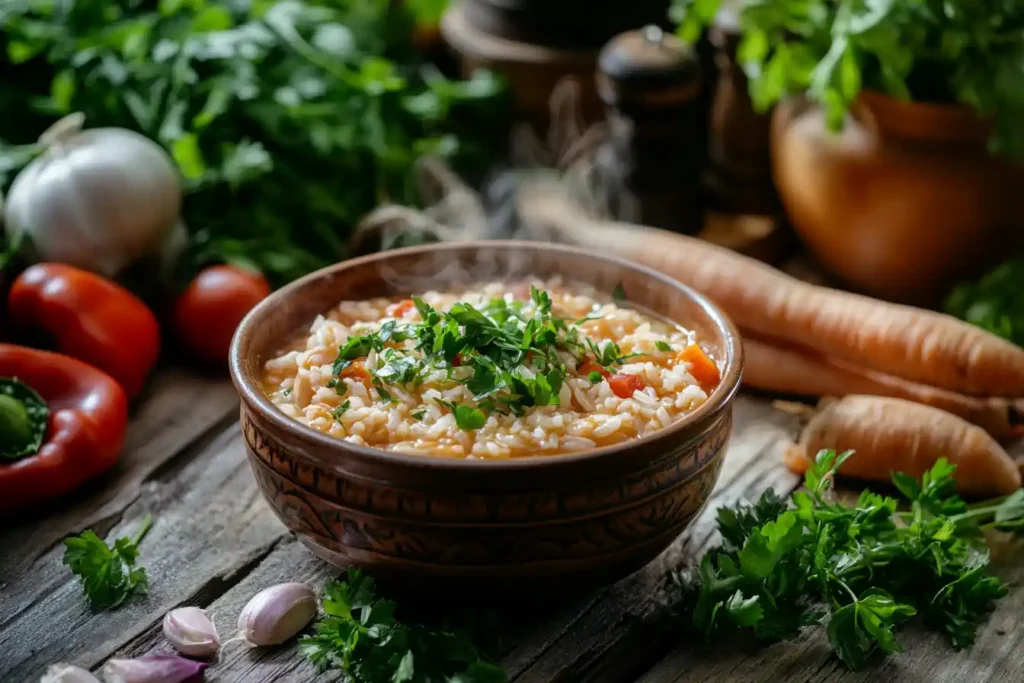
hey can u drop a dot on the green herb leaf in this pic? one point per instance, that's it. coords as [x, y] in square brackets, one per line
[663, 346]
[108, 575]
[340, 410]
[466, 417]
[782, 568]
[362, 636]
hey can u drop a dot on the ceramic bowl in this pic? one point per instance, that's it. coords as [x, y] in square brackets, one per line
[562, 520]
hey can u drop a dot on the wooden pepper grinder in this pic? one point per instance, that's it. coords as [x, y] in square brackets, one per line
[739, 168]
[652, 86]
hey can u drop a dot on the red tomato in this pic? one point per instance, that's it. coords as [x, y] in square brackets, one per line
[589, 366]
[208, 312]
[457, 361]
[623, 384]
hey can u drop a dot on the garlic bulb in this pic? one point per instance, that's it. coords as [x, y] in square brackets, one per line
[67, 673]
[98, 199]
[190, 632]
[277, 613]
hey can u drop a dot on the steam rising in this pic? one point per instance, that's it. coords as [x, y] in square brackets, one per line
[574, 166]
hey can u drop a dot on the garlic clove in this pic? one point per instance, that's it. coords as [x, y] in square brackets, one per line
[277, 613]
[191, 632]
[67, 673]
[153, 669]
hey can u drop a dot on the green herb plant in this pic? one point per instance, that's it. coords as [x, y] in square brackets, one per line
[969, 52]
[994, 302]
[495, 343]
[360, 635]
[108, 574]
[288, 119]
[860, 569]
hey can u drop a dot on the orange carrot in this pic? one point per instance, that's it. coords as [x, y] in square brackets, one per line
[781, 369]
[702, 368]
[893, 435]
[906, 342]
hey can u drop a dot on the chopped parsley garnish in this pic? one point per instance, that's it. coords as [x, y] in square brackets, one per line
[618, 294]
[595, 376]
[340, 410]
[510, 355]
[663, 346]
[418, 415]
[466, 417]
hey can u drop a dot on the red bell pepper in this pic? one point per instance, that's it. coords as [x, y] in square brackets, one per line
[90, 318]
[62, 422]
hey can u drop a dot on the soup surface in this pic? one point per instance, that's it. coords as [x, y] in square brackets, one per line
[498, 371]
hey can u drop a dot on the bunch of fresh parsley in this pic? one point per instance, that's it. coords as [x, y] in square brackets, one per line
[360, 635]
[994, 302]
[108, 575]
[860, 569]
[289, 119]
[495, 343]
[946, 51]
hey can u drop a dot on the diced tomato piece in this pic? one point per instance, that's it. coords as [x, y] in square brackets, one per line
[399, 309]
[624, 384]
[457, 361]
[357, 371]
[589, 366]
[703, 369]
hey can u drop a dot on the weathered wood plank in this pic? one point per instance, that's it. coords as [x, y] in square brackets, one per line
[179, 408]
[289, 561]
[211, 527]
[621, 632]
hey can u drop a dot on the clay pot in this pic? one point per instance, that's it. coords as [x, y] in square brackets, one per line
[552, 522]
[904, 202]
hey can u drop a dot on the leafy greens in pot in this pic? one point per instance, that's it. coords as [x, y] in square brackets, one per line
[289, 119]
[947, 51]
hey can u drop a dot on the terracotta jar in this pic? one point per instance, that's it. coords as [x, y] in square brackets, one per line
[904, 202]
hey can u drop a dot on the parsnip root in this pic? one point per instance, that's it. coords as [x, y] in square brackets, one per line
[894, 435]
[784, 369]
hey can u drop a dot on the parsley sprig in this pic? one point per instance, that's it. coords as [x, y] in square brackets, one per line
[360, 634]
[108, 575]
[860, 569]
[515, 353]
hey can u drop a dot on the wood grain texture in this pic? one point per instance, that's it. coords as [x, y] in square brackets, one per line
[215, 543]
[209, 523]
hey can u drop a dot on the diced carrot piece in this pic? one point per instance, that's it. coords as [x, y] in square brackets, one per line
[703, 369]
[357, 371]
[399, 309]
[624, 384]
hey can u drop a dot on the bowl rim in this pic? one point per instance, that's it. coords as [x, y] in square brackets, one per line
[253, 398]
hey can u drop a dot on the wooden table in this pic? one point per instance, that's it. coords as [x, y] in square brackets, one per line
[215, 543]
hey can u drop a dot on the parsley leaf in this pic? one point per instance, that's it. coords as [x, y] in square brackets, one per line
[108, 575]
[861, 569]
[361, 635]
[663, 346]
[515, 352]
[340, 410]
[466, 417]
